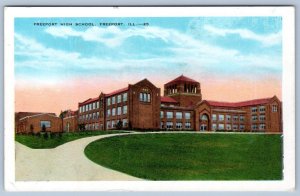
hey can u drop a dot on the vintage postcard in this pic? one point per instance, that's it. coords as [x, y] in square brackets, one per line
[149, 98]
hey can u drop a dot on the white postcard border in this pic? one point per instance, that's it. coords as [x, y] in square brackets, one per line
[288, 98]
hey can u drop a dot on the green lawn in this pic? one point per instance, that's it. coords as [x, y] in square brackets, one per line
[42, 143]
[190, 156]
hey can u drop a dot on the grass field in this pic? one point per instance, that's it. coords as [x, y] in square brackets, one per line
[185, 156]
[42, 143]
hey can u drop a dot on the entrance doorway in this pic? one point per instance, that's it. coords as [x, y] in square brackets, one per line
[204, 122]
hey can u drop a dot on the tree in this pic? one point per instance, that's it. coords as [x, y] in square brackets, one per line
[119, 125]
[62, 115]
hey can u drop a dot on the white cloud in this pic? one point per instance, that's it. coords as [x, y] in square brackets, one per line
[266, 40]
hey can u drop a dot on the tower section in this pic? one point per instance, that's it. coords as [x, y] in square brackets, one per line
[184, 90]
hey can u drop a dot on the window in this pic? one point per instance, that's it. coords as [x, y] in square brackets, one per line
[235, 118]
[79, 109]
[125, 109]
[228, 127]
[262, 109]
[90, 116]
[214, 127]
[119, 98]
[97, 104]
[113, 100]
[97, 115]
[90, 106]
[96, 126]
[94, 105]
[124, 97]
[113, 112]
[254, 109]
[187, 125]
[214, 117]
[113, 124]
[242, 118]
[108, 113]
[235, 127]
[83, 108]
[178, 125]
[86, 117]
[169, 114]
[253, 127]
[262, 126]
[169, 125]
[161, 114]
[119, 112]
[125, 122]
[94, 115]
[254, 118]
[204, 117]
[221, 127]
[178, 115]
[108, 125]
[145, 97]
[187, 115]
[86, 107]
[228, 118]
[221, 117]
[242, 127]
[262, 117]
[108, 101]
[46, 123]
[274, 108]
[161, 125]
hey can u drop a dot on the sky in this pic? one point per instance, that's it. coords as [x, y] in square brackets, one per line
[62, 61]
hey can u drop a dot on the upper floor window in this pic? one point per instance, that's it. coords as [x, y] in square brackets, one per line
[108, 101]
[113, 100]
[262, 109]
[228, 117]
[119, 98]
[187, 115]
[145, 97]
[124, 97]
[97, 104]
[242, 118]
[235, 118]
[178, 115]
[94, 105]
[113, 112]
[125, 109]
[254, 109]
[86, 107]
[214, 117]
[161, 114]
[274, 108]
[119, 111]
[169, 114]
[221, 117]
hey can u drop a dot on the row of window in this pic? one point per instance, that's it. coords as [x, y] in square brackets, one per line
[261, 117]
[227, 126]
[178, 125]
[145, 97]
[93, 126]
[221, 117]
[112, 124]
[88, 107]
[178, 115]
[260, 109]
[117, 99]
[90, 116]
[258, 127]
[112, 112]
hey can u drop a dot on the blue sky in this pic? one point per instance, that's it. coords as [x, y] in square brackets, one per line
[220, 46]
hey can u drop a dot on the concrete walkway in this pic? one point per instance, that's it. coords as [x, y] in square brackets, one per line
[63, 163]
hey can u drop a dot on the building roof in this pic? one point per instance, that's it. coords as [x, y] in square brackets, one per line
[90, 100]
[117, 92]
[35, 115]
[182, 78]
[167, 100]
[239, 104]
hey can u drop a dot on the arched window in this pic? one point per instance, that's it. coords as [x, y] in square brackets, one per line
[145, 95]
[204, 117]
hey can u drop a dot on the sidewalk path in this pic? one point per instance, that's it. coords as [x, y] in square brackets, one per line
[63, 163]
